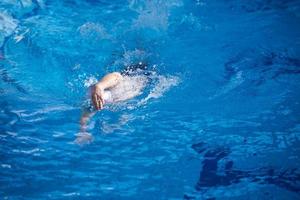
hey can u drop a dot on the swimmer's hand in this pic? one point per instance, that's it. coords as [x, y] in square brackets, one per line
[97, 97]
[108, 81]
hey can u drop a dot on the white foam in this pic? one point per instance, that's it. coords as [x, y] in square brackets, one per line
[7, 24]
[163, 85]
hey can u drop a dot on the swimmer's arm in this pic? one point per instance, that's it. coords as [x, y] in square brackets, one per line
[108, 81]
[83, 137]
[84, 119]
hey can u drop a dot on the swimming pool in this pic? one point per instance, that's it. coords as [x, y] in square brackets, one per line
[219, 121]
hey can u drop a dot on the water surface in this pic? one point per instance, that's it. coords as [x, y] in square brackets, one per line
[220, 119]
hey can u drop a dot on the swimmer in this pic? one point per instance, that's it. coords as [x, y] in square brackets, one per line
[112, 88]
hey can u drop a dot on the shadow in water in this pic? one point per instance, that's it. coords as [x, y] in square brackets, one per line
[213, 175]
[267, 65]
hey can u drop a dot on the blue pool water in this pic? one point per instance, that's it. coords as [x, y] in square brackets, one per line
[220, 119]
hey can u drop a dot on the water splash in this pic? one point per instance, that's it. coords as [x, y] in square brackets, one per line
[195, 23]
[152, 14]
[130, 57]
[90, 81]
[93, 31]
[164, 83]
